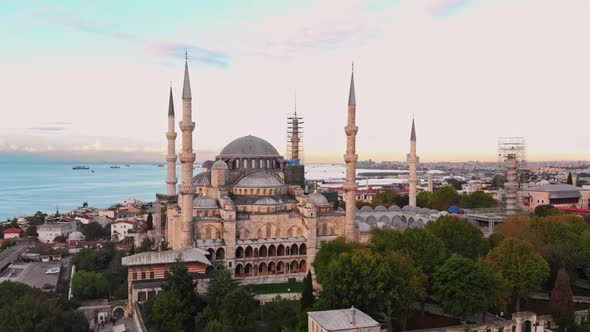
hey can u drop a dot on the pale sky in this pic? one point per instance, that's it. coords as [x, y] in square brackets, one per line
[89, 80]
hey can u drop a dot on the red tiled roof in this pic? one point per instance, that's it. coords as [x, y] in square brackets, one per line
[13, 231]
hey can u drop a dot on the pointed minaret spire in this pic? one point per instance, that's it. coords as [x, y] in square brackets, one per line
[171, 103]
[351, 96]
[413, 134]
[412, 163]
[350, 158]
[186, 87]
[171, 158]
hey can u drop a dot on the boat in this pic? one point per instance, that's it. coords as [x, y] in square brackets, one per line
[115, 166]
[80, 167]
[127, 166]
[160, 165]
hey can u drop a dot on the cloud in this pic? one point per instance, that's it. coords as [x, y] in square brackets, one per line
[48, 128]
[445, 8]
[165, 49]
[57, 123]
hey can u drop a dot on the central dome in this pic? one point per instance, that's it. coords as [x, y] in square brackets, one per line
[249, 146]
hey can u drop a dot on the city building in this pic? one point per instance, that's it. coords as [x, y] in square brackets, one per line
[558, 195]
[49, 231]
[146, 270]
[342, 320]
[121, 228]
[12, 233]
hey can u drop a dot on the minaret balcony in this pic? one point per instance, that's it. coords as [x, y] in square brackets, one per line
[350, 158]
[171, 135]
[350, 186]
[186, 189]
[351, 131]
[172, 158]
[186, 126]
[172, 180]
[187, 157]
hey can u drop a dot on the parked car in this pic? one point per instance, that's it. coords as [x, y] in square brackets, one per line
[52, 270]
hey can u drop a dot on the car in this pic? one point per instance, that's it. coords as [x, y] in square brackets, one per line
[52, 270]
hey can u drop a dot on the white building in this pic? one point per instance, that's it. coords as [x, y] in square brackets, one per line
[49, 231]
[120, 229]
[343, 320]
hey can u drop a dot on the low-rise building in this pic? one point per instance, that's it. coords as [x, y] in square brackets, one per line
[12, 233]
[49, 231]
[146, 270]
[342, 320]
[558, 195]
[120, 229]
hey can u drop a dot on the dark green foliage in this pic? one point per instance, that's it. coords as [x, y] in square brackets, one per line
[494, 240]
[329, 252]
[281, 314]
[423, 199]
[175, 307]
[150, 222]
[94, 231]
[146, 245]
[477, 199]
[89, 285]
[455, 184]
[562, 304]
[23, 308]
[106, 261]
[464, 287]
[238, 309]
[460, 236]
[443, 198]
[546, 210]
[307, 297]
[220, 285]
[60, 239]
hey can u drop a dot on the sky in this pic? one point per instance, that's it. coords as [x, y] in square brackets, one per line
[89, 80]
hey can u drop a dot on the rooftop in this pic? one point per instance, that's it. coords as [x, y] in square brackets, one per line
[249, 146]
[189, 255]
[556, 187]
[13, 231]
[343, 319]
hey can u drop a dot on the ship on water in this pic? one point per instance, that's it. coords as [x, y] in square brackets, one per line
[115, 166]
[80, 167]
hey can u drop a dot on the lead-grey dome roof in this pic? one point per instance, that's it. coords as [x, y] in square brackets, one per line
[220, 165]
[207, 164]
[76, 236]
[204, 202]
[259, 180]
[202, 179]
[318, 199]
[249, 146]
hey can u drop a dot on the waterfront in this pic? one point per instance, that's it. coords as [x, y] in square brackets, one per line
[29, 185]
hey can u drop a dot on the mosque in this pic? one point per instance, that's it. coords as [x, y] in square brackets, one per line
[246, 213]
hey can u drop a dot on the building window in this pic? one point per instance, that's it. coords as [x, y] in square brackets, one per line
[152, 275]
[141, 296]
[143, 275]
[134, 275]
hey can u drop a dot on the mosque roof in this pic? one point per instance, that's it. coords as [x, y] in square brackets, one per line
[202, 179]
[207, 164]
[76, 236]
[204, 202]
[249, 146]
[259, 180]
[220, 164]
[318, 199]
[189, 255]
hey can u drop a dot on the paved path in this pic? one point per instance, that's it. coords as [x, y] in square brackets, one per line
[10, 255]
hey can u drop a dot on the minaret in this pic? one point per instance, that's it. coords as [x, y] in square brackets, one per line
[187, 159]
[171, 158]
[295, 136]
[350, 158]
[413, 160]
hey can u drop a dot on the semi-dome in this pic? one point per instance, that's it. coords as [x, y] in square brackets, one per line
[207, 164]
[202, 179]
[76, 236]
[259, 180]
[266, 201]
[318, 199]
[204, 202]
[249, 146]
[219, 165]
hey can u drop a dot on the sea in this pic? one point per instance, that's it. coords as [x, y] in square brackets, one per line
[29, 184]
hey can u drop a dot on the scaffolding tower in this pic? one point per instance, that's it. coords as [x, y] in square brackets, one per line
[294, 151]
[512, 155]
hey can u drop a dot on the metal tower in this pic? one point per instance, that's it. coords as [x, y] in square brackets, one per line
[512, 154]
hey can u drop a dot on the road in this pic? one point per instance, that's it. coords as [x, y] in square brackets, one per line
[10, 255]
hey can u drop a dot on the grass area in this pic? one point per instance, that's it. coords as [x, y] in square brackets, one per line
[295, 287]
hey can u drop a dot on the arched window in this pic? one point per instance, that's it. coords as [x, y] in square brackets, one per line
[262, 252]
[240, 252]
[262, 269]
[280, 268]
[239, 270]
[294, 250]
[248, 269]
[281, 250]
[324, 229]
[272, 251]
[272, 268]
[303, 249]
[303, 266]
[294, 267]
[220, 254]
[211, 253]
[248, 251]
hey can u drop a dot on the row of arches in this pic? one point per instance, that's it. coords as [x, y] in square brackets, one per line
[209, 233]
[268, 231]
[218, 254]
[254, 163]
[271, 251]
[271, 268]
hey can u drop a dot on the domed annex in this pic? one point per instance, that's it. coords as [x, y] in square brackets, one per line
[204, 202]
[248, 146]
[259, 180]
[76, 236]
[318, 199]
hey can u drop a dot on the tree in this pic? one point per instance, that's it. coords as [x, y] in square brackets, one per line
[423, 199]
[89, 285]
[220, 285]
[307, 297]
[175, 307]
[443, 198]
[459, 236]
[562, 304]
[237, 309]
[150, 221]
[477, 199]
[546, 210]
[85, 204]
[464, 287]
[569, 178]
[523, 269]
[281, 314]
[60, 239]
[329, 252]
[146, 245]
[495, 239]
[93, 231]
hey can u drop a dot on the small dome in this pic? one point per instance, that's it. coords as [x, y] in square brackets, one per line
[433, 211]
[380, 208]
[204, 202]
[220, 165]
[424, 211]
[76, 236]
[249, 146]
[207, 164]
[394, 208]
[202, 179]
[259, 180]
[318, 199]
[266, 201]
[366, 208]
